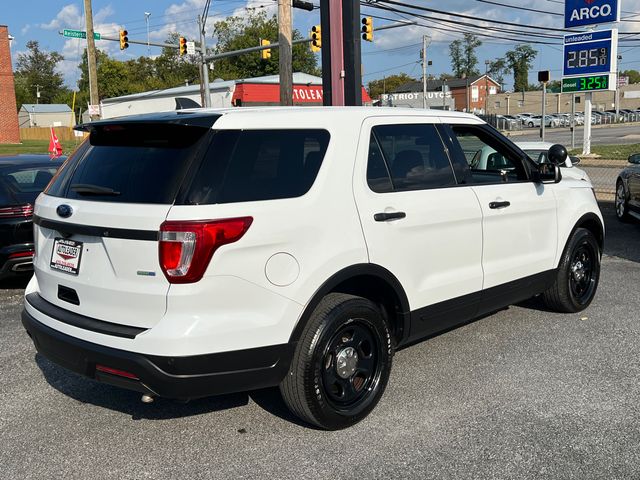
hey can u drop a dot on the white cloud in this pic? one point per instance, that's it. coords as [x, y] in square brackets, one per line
[69, 16]
[184, 16]
[25, 29]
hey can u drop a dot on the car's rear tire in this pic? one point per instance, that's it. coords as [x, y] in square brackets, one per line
[341, 364]
[577, 276]
[622, 206]
[530, 124]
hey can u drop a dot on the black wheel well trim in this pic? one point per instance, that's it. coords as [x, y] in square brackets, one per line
[400, 329]
[585, 221]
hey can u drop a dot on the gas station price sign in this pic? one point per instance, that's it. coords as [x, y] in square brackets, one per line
[592, 83]
[590, 53]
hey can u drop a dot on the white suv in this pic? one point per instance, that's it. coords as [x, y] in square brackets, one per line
[194, 253]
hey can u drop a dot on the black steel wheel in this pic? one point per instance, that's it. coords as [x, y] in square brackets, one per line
[622, 208]
[578, 274]
[341, 364]
[351, 368]
[582, 278]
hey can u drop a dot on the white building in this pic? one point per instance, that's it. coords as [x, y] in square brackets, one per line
[45, 115]
[250, 91]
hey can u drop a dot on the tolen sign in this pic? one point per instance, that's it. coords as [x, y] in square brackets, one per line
[580, 13]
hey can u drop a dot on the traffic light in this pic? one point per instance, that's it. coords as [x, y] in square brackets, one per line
[124, 39]
[183, 46]
[367, 29]
[266, 53]
[316, 38]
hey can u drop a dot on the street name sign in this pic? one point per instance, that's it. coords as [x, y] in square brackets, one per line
[580, 13]
[79, 34]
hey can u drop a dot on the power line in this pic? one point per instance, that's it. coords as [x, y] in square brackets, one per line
[474, 32]
[520, 8]
[389, 69]
[468, 17]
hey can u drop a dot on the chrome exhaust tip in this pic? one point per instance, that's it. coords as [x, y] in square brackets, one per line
[147, 399]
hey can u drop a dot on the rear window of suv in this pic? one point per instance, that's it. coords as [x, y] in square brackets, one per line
[131, 163]
[253, 165]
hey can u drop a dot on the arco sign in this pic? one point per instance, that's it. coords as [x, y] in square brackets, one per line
[579, 13]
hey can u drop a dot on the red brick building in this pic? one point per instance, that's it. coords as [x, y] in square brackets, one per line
[9, 131]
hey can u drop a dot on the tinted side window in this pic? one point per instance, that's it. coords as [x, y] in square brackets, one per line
[378, 176]
[489, 160]
[23, 184]
[415, 156]
[252, 165]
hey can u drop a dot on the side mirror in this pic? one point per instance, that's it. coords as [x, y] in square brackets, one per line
[575, 160]
[557, 154]
[635, 158]
[548, 173]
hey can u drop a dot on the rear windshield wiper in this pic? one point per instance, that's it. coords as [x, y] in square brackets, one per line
[88, 189]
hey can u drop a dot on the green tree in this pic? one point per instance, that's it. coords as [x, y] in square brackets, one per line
[38, 67]
[520, 61]
[498, 68]
[457, 64]
[463, 56]
[116, 78]
[236, 33]
[171, 69]
[388, 84]
[634, 75]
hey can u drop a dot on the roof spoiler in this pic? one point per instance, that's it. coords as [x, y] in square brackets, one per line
[182, 103]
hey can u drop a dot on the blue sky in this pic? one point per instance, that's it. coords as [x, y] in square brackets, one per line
[393, 51]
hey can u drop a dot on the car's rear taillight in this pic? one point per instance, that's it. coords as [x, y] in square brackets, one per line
[17, 211]
[186, 248]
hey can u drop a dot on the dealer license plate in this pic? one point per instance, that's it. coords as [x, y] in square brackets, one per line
[66, 255]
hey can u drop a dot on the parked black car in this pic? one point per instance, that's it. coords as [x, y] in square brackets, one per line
[22, 178]
[628, 190]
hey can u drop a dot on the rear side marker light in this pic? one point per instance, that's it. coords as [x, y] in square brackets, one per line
[21, 255]
[115, 371]
[17, 211]
[186, 248]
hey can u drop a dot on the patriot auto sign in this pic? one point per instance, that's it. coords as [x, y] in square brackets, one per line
[580, 13]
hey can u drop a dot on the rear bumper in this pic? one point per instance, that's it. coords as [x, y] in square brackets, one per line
[16, 259]
[171, 377]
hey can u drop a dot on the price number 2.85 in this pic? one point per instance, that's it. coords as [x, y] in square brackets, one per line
[587, 58]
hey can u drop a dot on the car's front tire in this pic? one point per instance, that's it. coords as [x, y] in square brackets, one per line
[341, 364]
[577, 276]
[622, 206]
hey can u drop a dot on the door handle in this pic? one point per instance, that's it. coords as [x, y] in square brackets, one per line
[497, 205]
[385, 217]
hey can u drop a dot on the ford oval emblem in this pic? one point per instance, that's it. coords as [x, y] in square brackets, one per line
[64, 211]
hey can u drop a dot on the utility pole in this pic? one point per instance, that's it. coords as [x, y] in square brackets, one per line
[573, 121]
[94, 98]
[425, 44]
[617, 99]
[544, 110]
[37, 94]
[286, 52]
[586, 143]
[486, 87]
[146, 17]
[204, 68]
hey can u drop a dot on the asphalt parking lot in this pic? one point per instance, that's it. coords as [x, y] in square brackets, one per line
[523, 394]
